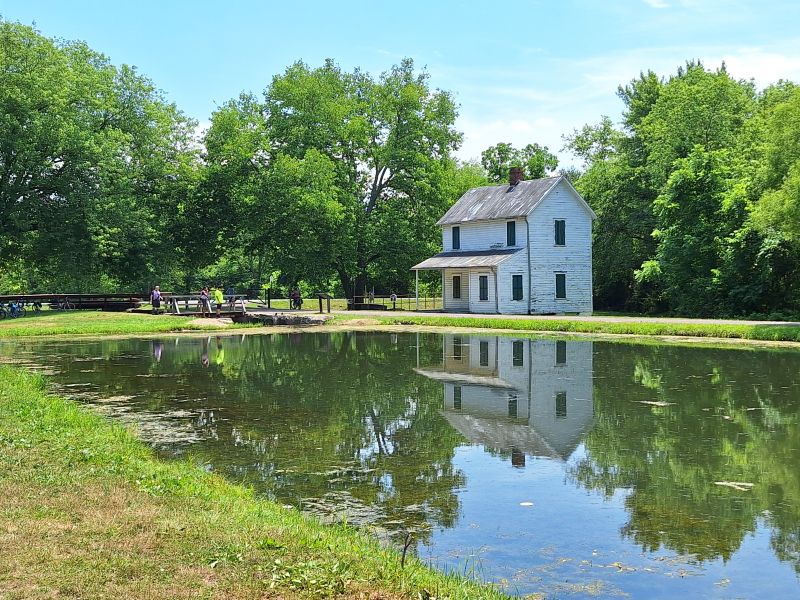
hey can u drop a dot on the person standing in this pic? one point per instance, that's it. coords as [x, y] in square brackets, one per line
[216, 294]
[205, 305]
[155, 299]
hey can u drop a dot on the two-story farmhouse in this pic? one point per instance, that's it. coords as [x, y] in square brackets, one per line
[521, 248]
[523, 396]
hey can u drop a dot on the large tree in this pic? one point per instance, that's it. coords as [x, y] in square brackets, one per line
[93, 163]
[390, 140]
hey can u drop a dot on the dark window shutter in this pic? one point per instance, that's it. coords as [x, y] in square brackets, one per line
[456, 286]
[484, 351]
[561, 352]
[517, 354]
[561, 285]
[483, 287]
[561, 232]
[456, 238]
[511, 233]
[516, 287]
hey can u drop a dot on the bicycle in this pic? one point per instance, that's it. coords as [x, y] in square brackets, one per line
[13, 310]
[64, 304]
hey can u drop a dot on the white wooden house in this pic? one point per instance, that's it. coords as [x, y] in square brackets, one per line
[521, 248]
[525, 397]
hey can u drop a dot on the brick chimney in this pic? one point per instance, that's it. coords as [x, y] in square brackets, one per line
[514, 176]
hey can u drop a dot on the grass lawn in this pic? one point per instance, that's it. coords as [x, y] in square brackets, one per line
[93, 322]
[785, 333]
[86, 510]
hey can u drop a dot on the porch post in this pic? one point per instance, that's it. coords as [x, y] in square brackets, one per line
[434, 302]
[417, 287]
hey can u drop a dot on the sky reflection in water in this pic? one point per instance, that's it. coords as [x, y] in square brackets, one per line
[577, 468]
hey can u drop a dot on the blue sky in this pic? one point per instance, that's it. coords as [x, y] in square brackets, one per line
[522, 71]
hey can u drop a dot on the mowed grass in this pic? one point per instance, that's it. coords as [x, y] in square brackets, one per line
[784, 333]
[87, 511]
[93, 322]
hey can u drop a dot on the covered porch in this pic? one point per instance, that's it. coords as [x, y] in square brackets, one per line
[469, 279]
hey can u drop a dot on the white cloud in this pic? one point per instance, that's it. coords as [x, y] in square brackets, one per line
[762, 65]
[561, 95]
[657, 3]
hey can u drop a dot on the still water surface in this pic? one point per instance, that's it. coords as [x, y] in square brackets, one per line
[578, 468]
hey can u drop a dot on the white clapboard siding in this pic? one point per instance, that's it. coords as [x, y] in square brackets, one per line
[552, 387]
[455, 304]
[515, 265]
[574, 258]
[562, 425]
[477, 305]
[483, 235]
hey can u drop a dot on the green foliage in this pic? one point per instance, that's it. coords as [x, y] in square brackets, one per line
[696, 197]
[185, 522]
[94, 162]
[536, 161]
[335, 173]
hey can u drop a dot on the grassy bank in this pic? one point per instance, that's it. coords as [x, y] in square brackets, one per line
[87, 511]
[94, 323]
[785, 333]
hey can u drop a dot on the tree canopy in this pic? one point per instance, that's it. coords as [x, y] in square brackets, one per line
[334, 180]
[696, 196]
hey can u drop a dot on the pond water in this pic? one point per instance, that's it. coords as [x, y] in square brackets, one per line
[575, 468]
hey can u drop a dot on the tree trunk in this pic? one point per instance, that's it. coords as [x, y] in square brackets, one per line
[361, 284]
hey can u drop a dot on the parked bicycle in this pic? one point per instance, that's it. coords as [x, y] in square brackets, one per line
[63, 304]
[12, 310]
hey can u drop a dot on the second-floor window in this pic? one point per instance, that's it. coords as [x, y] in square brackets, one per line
[561, 232]
[511, 233]
[456, 238]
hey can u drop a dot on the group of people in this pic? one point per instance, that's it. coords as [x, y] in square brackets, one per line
[207, 297]
[214, 295]
[204, 300]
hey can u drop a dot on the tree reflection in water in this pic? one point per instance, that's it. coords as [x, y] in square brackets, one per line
[341, 424]
[673, 422]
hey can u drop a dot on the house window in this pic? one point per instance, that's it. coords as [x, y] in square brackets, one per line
[561, 232]
[561, 405]
[457, 397]
[516, 287]
[517, 354]
[511, 233]
[456, 287]
[484, 354]
[456, 348]
[483, 287]
[561, 285]
[512, 407]
[561, 353]
[456, 238]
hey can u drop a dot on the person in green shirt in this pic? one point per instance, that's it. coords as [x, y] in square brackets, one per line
[216, 295]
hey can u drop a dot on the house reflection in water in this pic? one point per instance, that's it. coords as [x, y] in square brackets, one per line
[523, 397]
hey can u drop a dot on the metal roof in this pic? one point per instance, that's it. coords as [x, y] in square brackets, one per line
[500, 434]
[466, 260]
[499, 201]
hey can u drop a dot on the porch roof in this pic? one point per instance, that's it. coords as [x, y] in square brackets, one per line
[465, 378]
[466, 260]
